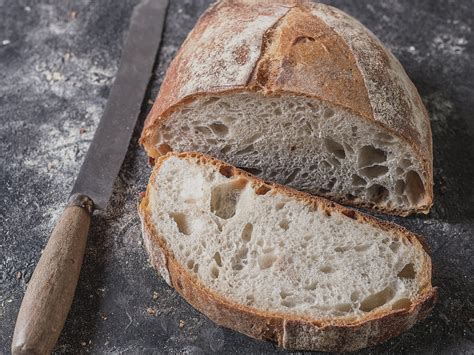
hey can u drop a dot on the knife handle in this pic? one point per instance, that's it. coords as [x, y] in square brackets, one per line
[50, 291]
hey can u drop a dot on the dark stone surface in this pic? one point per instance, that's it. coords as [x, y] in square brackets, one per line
[57, 63]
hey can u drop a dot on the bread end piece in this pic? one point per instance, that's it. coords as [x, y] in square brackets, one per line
[290, 332]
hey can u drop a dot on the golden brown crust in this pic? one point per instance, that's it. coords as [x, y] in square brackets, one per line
[297, 47]
[289, 331]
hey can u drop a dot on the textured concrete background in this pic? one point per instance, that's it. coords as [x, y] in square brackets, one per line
[57, 63]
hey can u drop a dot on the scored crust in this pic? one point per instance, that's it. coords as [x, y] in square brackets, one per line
[269, 47]
[295, 332]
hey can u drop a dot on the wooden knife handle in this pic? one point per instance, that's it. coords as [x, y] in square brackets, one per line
[50, 291]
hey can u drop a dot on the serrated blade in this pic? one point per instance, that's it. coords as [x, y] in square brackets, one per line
[112, 137]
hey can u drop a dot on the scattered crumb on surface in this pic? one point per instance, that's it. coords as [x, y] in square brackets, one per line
[103, 316]
[181, 323]
[151, 311]
[155, 295]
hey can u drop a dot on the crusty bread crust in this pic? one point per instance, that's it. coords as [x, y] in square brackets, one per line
[295, 332]
[270, 47]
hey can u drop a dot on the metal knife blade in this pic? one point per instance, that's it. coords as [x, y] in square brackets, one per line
[112, 137]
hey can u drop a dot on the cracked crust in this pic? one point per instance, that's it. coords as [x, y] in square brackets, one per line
[293, 332]
[270, 47]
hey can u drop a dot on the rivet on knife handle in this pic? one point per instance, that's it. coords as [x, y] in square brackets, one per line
[51, 289]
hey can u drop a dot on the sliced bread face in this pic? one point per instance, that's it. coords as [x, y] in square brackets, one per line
[279, 264]
[303, 143]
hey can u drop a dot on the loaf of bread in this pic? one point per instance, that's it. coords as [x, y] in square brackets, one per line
[278, 264]
[301, 94]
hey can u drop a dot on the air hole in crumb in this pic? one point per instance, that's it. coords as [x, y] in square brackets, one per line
[280, 205]
[362, 247]
[399, 187]
[377, 193]
[226, 171]
[341, 249]
[326, 269]
[164, 148]
[328, 113]
[266, 261]
[349, 213]
[277, 111]
[203, 130]
[369, 155]
[324, 165]
[288, 303]
[284, 224]
[394, 247]
[414, 188]
[311, 286]
[181, 222]
[308, 237]
[196, 268]
[331, 183]
[228, 119]
[408, 272]
[402, 303]
[190, 264]
[262, 190]
[384, 137]
[377, 299]
[226, 149]
[348, 148]
[219, 129]
[358, 181]
[224, 198]
[247, 232]
[405, 163]
[284, 294]
[218, 259]
[242, 253]
[214, 272]
[373, 172]
[343, 307]
[334, 148]
[237, 267]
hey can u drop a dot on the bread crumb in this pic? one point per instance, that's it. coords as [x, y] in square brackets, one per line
[18, 275]
[72, 15]
[103, 316]
[181, 323]
[83, 343]
[57, 76]
[155, 295]
[151, 311]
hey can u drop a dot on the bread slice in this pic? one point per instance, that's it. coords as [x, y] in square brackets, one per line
[300, 94]
[278, 264]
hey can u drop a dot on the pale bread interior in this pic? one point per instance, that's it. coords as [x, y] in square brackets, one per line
[264, 249]
[303, 143]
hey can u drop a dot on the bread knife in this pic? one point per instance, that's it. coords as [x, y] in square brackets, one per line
[50, 291]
